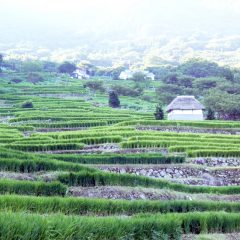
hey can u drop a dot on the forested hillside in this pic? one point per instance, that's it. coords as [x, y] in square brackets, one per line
[217, 87]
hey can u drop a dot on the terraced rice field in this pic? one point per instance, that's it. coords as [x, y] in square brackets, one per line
[74, 170]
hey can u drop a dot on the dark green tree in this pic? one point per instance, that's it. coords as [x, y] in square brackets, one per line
[34, 78]
[49, 66]
[31, 66]
[159, 114]
[200, 68]
[1, 62]
[67, 67]
[226, 106]
[113, 100]
[95, 86]
[1, 59]
[138, 77]
[210, 114]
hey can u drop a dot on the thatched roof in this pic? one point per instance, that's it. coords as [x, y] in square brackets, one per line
[185, 103]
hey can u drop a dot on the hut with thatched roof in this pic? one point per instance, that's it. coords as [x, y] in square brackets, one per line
[185, 108]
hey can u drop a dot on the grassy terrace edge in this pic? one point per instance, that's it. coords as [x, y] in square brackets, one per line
[105, 207]
[99, 178]
[167, 226]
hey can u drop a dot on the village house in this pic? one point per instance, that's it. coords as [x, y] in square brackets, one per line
[80, 74]
[185, 108]
[128, 74]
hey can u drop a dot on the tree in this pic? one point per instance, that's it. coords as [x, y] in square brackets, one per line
[88, 67]
[34, 78]
[126, 91]
[160, 72]
[113, 101]
[138, 76]
[95, 86]
[200, 68]
[202, 84]
[159, 114]
[210, 114]
[115, 72]
[167, 92]
[225, 105]
[67, 67]
[171, 78]
[49, 66]
[1, 62]
[31, 66]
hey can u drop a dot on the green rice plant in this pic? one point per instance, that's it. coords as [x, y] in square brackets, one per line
[104, 207]
[186, 148]
[36, 165]
[170, 226]
[99, 178]
[32, 188]
[142, 158]
[45, 147]
[70, 124]
[204, 124]
[214, 153]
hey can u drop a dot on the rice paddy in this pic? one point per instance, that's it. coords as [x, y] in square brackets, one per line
[64, 140]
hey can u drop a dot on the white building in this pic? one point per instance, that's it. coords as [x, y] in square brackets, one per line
[149, 75]
[185, 108]
[128, 74]
[80, 74]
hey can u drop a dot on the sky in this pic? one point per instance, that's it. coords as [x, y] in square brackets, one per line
[37, 20]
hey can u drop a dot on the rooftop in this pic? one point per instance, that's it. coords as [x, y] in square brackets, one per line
[185, 103]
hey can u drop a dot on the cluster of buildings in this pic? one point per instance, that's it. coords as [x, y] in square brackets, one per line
[181, 108]
[80, 74]
[128, 74]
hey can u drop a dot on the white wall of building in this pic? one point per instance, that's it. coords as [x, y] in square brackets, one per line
[185, 115]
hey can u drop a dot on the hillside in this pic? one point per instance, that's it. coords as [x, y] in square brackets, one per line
[81, 170]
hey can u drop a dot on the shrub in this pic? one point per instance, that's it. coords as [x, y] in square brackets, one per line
[113, 100]
[34, 78]
[27, 104]
[125, 91]
[210, 114]
[16, 80]
[159, 114]
[95, 85]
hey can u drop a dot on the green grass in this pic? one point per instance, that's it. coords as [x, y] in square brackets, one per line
[105, 207]
[98, 178]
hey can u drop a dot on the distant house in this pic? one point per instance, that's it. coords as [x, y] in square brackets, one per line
[128, 74]
[185, 108]
[80, 74]
[149, 75]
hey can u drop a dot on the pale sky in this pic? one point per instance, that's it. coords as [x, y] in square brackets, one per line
[29, 18]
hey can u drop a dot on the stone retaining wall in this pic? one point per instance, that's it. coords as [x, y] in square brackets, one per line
[183, 174]
[217, 161]
[191, 129]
